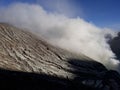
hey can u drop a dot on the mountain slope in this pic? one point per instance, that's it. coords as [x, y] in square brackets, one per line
[23, 51]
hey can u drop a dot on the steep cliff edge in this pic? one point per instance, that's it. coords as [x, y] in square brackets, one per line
[23, 51]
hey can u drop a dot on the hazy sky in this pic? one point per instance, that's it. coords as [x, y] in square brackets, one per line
[103, 13]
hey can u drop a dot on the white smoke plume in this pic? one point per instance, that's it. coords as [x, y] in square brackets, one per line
[73, 34]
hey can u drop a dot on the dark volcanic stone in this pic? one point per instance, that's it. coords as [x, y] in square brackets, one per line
[115, 45]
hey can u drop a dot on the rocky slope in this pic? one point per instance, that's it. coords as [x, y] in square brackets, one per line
[24, 52]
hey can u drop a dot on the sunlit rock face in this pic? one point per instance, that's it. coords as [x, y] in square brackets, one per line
[24, 52]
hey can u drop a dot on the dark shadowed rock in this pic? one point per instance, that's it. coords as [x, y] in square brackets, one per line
[115, 45]
[29, 63]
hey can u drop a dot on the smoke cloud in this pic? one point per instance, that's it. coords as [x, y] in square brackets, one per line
[73, 34]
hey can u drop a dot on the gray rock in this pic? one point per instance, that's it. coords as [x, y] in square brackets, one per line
[23, 51]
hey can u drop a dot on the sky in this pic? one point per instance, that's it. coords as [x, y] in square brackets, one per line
[103, 13]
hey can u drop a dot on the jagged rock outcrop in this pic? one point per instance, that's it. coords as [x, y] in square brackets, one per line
[23, 51]
[115, 45]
